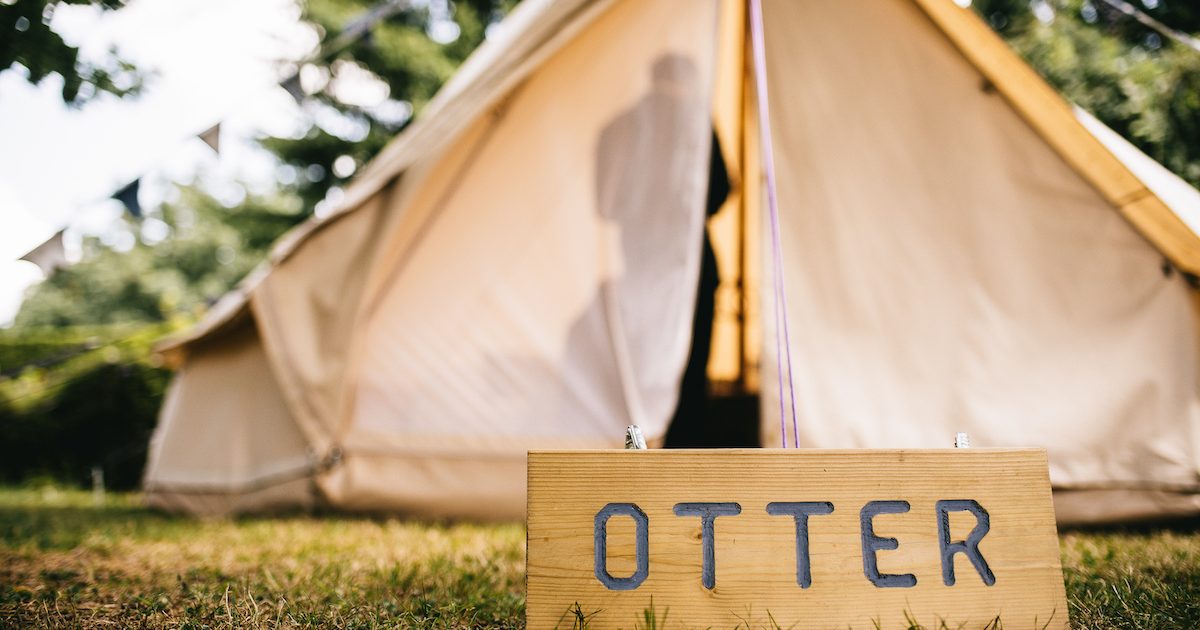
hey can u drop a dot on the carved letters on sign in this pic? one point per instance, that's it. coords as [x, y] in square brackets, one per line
[957, 538]
[800, 511]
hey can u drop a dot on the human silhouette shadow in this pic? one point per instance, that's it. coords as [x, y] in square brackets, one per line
[649, 189]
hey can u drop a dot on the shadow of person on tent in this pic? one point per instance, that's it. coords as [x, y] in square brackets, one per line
[650, 182]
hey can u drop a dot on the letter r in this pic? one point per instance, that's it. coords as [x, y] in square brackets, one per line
[968, 547]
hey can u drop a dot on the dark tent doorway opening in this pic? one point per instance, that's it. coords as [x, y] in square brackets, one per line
[711, 414]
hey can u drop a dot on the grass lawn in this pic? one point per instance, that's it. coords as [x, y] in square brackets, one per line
[67, 563]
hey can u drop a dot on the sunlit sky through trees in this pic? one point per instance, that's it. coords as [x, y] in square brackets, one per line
[207, 60]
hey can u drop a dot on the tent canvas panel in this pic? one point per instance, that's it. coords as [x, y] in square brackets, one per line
[284, 497]
[1123, 505]
[1052, 118]
[948, 271]
[430, 484]
[531, 34]
[307, 314]
[220, 449]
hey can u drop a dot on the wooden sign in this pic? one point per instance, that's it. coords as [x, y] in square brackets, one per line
[799, 538]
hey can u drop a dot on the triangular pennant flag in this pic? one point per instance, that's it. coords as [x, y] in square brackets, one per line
[50, 256]
[293, 87]
[212, 137]
[129, 197]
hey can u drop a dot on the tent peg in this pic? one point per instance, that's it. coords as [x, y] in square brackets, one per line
[634, 440]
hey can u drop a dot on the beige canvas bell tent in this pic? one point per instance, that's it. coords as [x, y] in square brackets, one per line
[962, 252]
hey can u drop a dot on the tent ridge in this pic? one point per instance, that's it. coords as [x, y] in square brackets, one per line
[1133, 197]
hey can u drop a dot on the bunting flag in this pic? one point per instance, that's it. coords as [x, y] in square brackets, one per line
[50, 256]
[128, 196]
[358, 29]
[293, 87]
[212, 137]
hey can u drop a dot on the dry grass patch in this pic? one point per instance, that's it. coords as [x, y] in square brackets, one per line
[65, 563]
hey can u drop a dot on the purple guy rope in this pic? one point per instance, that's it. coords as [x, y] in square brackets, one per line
[764, 126]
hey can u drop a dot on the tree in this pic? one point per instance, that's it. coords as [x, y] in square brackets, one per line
[1123, 71]
[67, 351]
[183, 258]
[205, 248]
[29, 45]
[79, 385]
[409, 55]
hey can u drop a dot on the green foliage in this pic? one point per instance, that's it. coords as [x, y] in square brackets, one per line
[207, 249]
[397, 51]
[578, 619]
[650, 618]
[19, 353]
[28, 42]
[79, 386]
[189, 252]
[1134, 579]
[1142, 84]
[51, 358]
[70, 402]
[66, 563]
[102, 418]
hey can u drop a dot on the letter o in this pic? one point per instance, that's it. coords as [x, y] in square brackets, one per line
[642, 546]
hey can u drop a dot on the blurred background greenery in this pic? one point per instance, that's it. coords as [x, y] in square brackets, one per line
[79, 384]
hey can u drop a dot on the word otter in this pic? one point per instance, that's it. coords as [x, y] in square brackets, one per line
[800, 511]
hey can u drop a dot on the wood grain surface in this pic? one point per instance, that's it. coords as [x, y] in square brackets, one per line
[755, 573]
